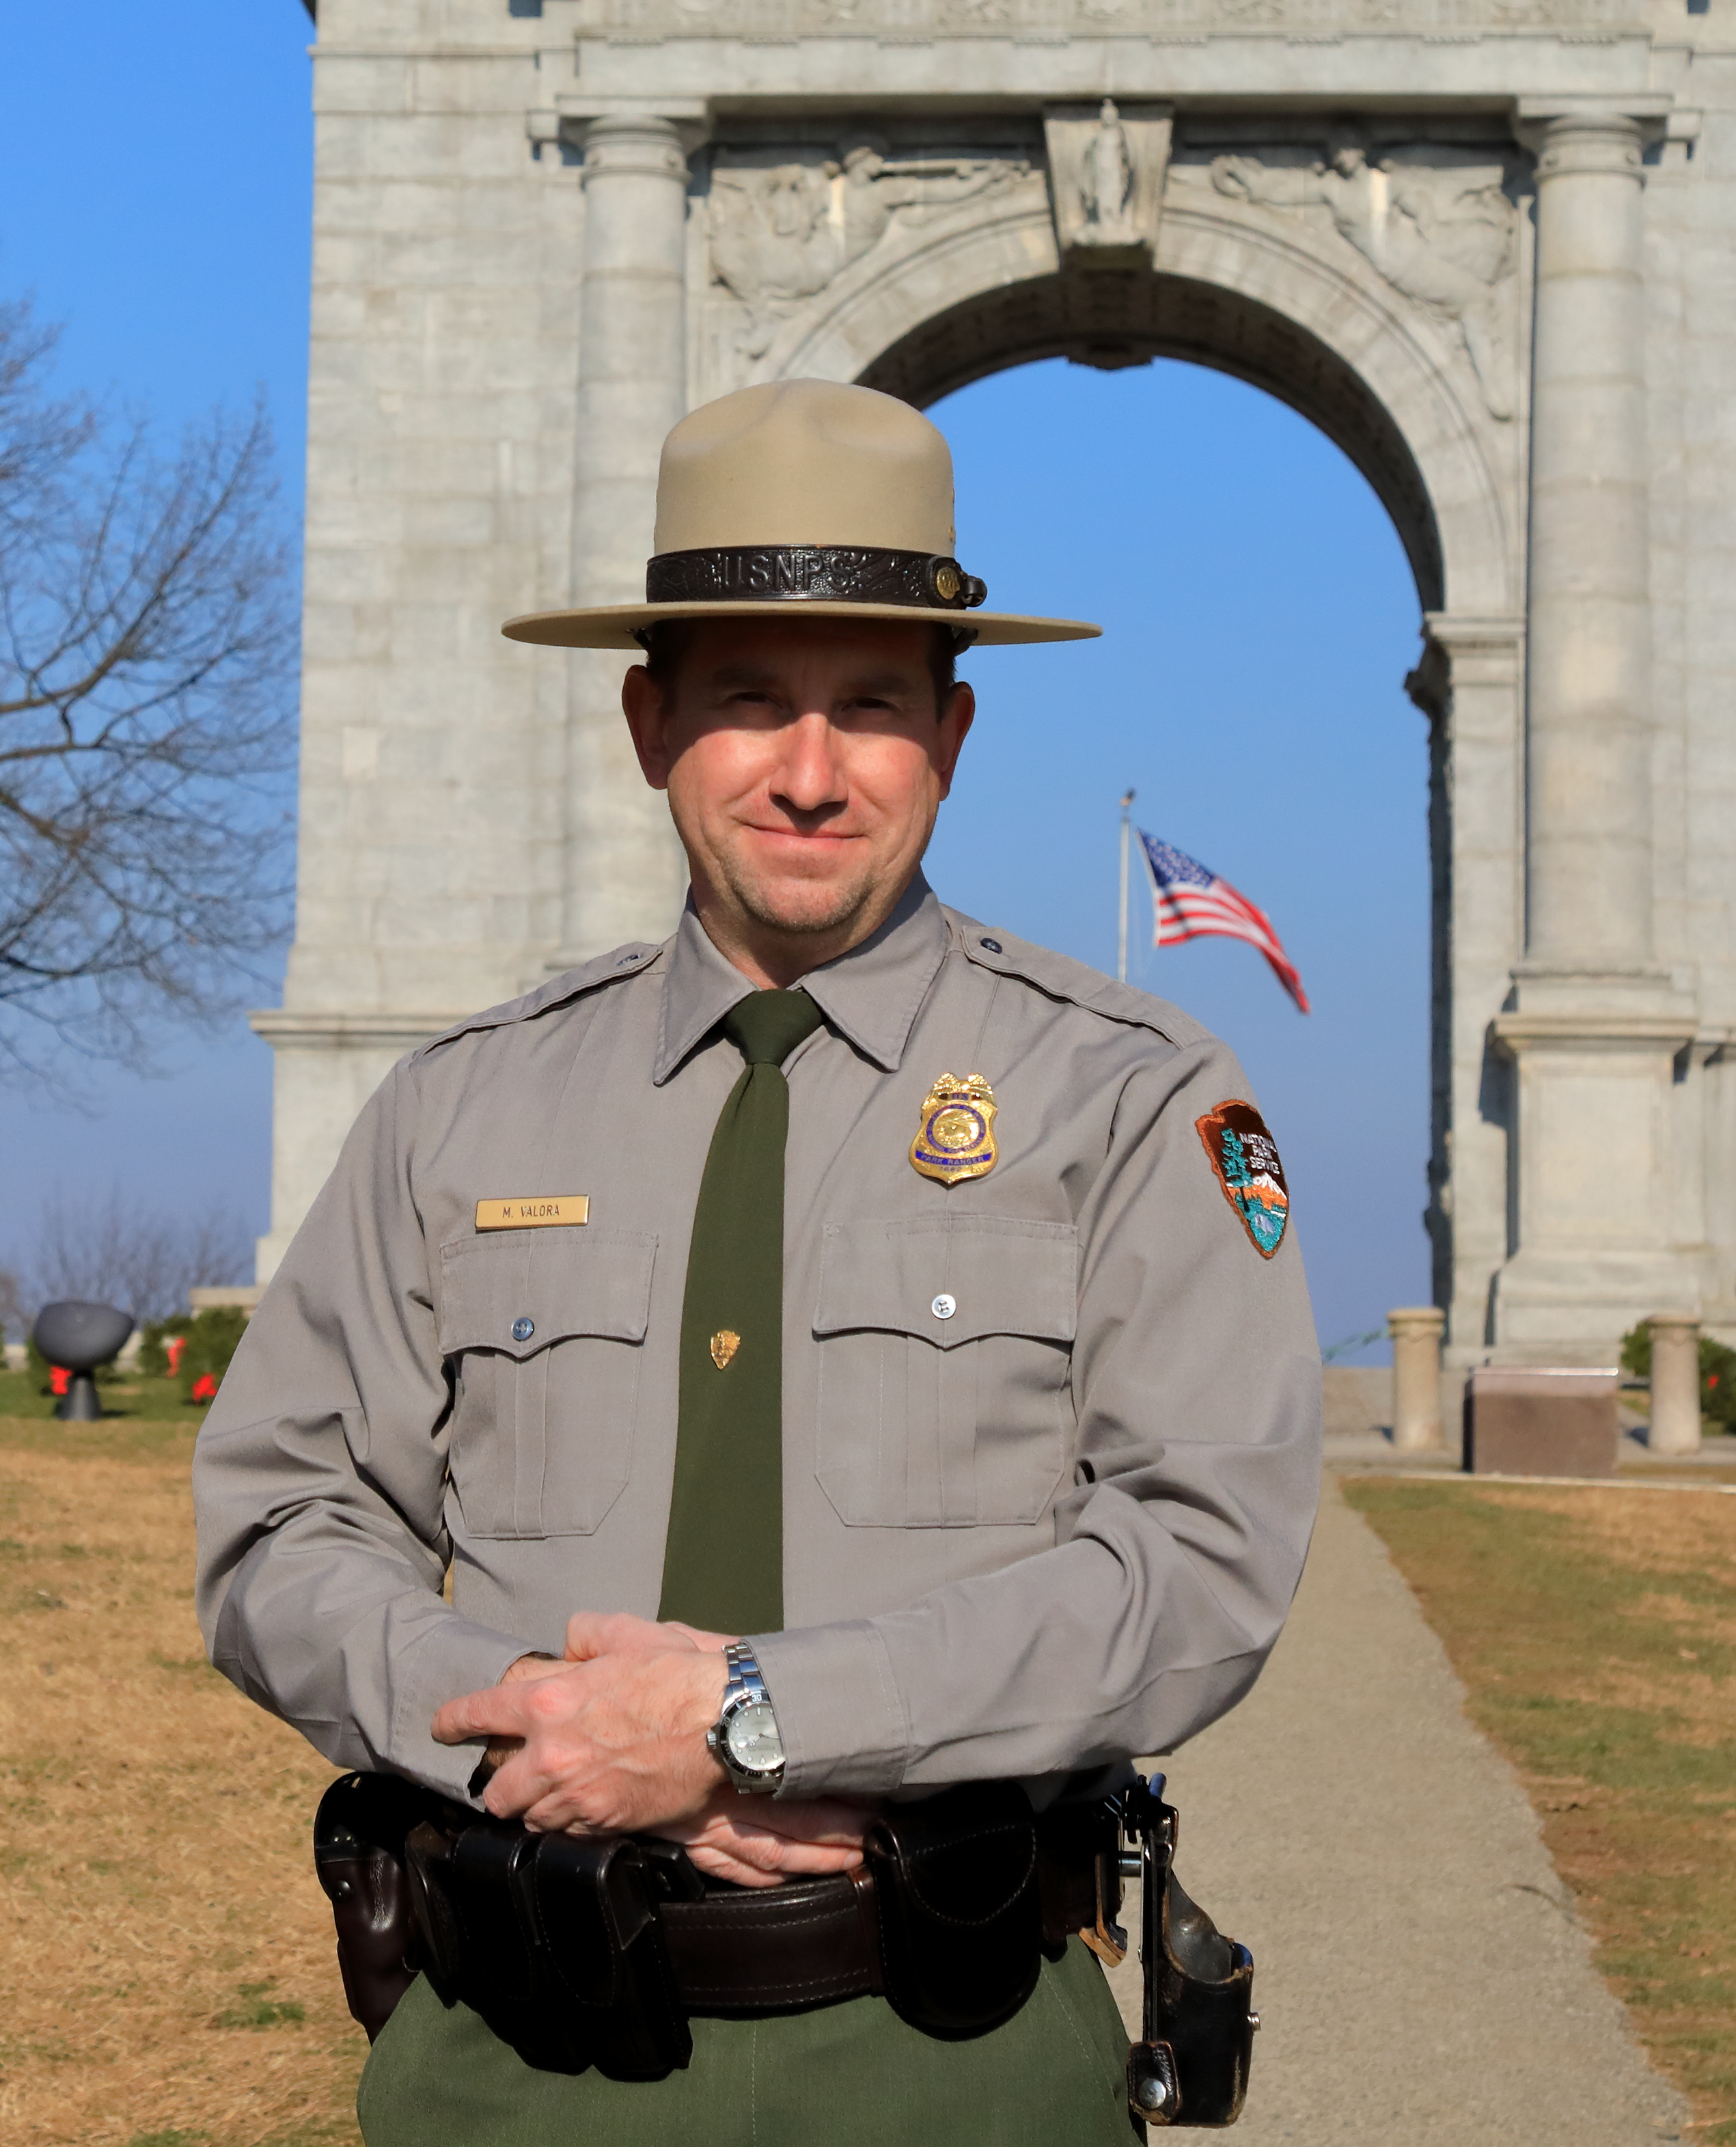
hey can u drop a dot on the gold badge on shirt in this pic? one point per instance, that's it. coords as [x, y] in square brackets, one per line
[956, 1139]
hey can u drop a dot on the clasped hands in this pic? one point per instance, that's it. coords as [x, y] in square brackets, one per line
[612, 1740]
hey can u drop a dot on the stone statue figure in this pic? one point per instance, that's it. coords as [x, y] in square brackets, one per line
[1443, 236]
[1105, 182]
[781, 234]
[1106, 171]
[875, 189]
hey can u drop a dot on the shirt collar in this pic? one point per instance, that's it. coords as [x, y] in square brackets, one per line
[870, 995]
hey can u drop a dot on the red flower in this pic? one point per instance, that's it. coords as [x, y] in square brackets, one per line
[204, 1388]
[172, 1345]
[59, 1379]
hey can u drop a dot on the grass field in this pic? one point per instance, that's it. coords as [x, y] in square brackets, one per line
[165, 1955]
[125, 1396]
[1596, 1633]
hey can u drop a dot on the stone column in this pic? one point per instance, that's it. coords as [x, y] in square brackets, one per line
[1675, 1426]
[1593, 1021]
[1470, 684]
[1416, 1330]
[1588, 747]
[625, 873]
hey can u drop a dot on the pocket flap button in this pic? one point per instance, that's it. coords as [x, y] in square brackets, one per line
[522, 1329]
[944, 1306]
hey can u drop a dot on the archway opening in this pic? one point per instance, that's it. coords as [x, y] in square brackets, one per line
[1112, 318]
[1262, 614]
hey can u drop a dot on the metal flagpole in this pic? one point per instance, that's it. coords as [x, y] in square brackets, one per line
[1121, 942]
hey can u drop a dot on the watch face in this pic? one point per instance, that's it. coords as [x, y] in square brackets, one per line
[753, 1737]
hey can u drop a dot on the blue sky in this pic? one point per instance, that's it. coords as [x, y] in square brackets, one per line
[154, 180]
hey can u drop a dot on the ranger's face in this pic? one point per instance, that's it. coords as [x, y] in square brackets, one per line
[805, 762]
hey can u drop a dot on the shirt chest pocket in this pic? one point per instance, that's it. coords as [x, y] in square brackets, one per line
[544, 1331]
[945, 1349]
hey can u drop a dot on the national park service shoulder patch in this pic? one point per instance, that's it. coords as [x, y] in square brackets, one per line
[1245, 1157]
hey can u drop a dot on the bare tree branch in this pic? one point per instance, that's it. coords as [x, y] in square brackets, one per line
[38, 438]
[146, 673]
[115, 1252]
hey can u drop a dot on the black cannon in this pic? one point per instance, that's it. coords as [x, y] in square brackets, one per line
[78, 1337]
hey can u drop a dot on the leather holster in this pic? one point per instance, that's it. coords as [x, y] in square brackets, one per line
[1190, 2064]
[359, 1859]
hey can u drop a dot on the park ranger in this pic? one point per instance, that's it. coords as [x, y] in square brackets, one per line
[756, 1381]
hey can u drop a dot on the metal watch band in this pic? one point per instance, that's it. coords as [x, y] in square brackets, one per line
[743, 1668]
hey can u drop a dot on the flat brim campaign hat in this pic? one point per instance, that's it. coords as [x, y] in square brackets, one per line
[802, 499]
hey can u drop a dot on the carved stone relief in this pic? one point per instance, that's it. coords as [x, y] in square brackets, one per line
[1106, 176]
[779, 235]
[1444, 234]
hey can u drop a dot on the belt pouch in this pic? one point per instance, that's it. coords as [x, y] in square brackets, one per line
[960, 1922]
[358, 1856]
[473, 1893]
[605, 1943]
[427, 1870]
[506, 1972]
[497, 1966]
[1078, 1872]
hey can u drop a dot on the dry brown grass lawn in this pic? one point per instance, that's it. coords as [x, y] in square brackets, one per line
[168, 1957]
[1595, 1631]
[167, 1967]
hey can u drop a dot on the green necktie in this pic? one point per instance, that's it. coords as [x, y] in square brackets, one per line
[723, 1563]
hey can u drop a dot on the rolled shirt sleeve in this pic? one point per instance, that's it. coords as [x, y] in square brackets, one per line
[1196, 1381]
[319, 1482]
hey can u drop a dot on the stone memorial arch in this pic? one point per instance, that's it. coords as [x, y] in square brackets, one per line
[1485, 245]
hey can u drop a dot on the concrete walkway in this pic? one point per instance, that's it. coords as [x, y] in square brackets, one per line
[1418, 1968]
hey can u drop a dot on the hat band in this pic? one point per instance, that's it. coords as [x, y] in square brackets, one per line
[835, 573]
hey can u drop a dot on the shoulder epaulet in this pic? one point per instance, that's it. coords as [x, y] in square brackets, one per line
[1061, 978]
[613, 967]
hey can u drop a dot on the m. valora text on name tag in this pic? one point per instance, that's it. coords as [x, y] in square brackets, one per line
[532, 1211]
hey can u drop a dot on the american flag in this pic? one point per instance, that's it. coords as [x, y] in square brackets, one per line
[1191, 903]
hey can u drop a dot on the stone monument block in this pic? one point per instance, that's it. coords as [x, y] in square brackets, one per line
[1540, 1422]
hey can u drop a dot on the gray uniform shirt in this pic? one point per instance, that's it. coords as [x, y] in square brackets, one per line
[1058, 1527]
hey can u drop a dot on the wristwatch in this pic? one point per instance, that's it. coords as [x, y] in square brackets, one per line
[744, 1737]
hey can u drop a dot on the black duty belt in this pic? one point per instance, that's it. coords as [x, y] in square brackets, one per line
[596, 1949]
[763, 1951]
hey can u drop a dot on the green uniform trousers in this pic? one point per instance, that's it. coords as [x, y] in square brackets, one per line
[847, 2075]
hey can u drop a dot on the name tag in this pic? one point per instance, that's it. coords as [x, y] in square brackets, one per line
[533, 1211]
